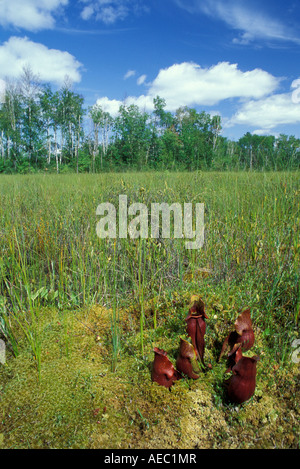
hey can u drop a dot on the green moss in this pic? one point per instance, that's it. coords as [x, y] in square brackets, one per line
[79, 403]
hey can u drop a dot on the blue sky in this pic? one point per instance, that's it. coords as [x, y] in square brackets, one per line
[236, 58]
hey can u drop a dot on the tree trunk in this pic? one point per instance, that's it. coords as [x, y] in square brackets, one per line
[55, 149]
[49, 144]
[61, 147]
[77, 143]
[96, 145]
[2, 144]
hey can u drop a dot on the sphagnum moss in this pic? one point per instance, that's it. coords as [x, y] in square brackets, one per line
[79, 402]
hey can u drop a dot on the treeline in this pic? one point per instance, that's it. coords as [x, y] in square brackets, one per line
[46, 130]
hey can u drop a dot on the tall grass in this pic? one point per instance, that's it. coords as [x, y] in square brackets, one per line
[51, 255]
[115, 332]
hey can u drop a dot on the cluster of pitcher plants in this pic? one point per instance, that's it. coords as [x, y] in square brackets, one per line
[241, 385]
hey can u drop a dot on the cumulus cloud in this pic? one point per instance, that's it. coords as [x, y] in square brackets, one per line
[145, 103]
[51, 65]
[251, 21]
[109, 105]
[189, 84]
[33, 15]
[268, 113]
[2, 90]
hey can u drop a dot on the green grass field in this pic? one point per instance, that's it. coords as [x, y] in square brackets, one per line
[80, 315]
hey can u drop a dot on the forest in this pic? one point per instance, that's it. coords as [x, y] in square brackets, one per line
[46, 130]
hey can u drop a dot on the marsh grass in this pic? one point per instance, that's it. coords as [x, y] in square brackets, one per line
[51, 257]
[115, 330]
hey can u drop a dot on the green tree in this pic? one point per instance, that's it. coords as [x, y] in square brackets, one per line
[32, 126]
[196, 136]
[52, 114]
[71, 112]
[287, 152]
[11, 118]
[132, 136]
[102, 123]
[163, 119]
[256, 151]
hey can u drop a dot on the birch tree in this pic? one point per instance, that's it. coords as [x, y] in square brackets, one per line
[102, 122]
[32, 128]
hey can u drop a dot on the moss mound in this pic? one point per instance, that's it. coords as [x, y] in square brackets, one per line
[79, 402]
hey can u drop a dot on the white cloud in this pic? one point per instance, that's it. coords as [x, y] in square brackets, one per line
[261, 132]
[296, 93]
[253, 22]
[188, 84]
[2, 90]
[87, 12]
[268, 113]
[129, 74]
[110, 11]
[109, 105]
[141, 79]
[51, 65]
[32, 15]
[145, 103]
